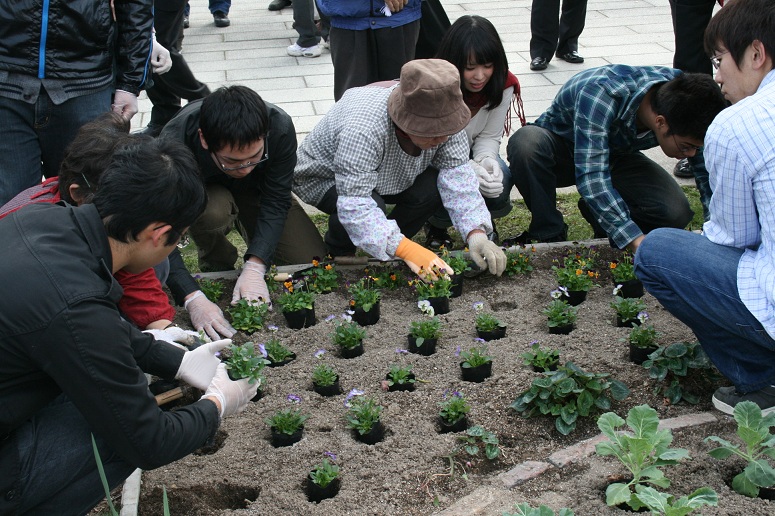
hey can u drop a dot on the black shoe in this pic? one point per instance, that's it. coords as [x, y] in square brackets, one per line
[526, 238]
[276, 5]
[683, 169]
[437, 237]
[725, 399]
[539, 63]
[186, 23]
[220, 19]
[151, 130]
[571, 57]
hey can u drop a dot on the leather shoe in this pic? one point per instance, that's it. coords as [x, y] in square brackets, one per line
[683, 169]
[571, 57]
[539, 63]
[220, 19]
[277, 5]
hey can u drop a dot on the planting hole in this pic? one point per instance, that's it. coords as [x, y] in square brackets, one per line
[199, 499]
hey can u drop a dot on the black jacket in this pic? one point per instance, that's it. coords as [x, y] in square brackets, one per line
[81, 42]
[60, 332]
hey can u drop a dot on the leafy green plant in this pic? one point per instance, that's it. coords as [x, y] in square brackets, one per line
[454, 407]
[663, 503]
[388, 277]
[399, 375]
[753, 429]
[569, 393]
[559, 313]
[628, 308]
[325, 472]
[518, 263]
[322, 277]
[523, 509]
[574, 278]
[541, 358]
[475, 357]
[477, 438]
[324, 375]
[486, 321]
[429, 328]
[296, 297]
[673, 364]
[212, 289]
[643, 336]
[363, 414]
[427, 289]
[643, 451]
[287, 421]
[276, 352]
[248, 316]
[245, 362]
[364, 294]
[622, 270]
[456, 260]
[348, 334]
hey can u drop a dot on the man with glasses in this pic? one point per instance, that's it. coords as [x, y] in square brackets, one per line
[592, 137]
[246, 150]
[722, 283]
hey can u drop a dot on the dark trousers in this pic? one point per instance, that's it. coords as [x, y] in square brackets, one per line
[361, 57]
[552, 34]
[690, 17]
[179, 82]
[304, 23]
[541, 162]
[413, 207]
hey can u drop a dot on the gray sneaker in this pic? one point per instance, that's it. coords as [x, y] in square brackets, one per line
[725, 399]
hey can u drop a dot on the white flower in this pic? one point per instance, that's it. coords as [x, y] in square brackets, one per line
[478, 306]
[643, 317]
[617, 289]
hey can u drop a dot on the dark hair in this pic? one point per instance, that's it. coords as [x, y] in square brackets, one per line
[738, 24]
[151, 180]
[689, 103]
[475, 37]
[235, 116]
[89, 154]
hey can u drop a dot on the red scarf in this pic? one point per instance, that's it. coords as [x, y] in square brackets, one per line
[478, 101]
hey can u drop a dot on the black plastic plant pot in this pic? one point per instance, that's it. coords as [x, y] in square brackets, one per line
[367, 318]
[457, 286]
[316, 494]
[303, 318]
[258, 396]
[576, 297]
[401, 386]
[280, 439]
[539, 369]
[373, 436]
[351, 352]
[631, 288]
[640, 355]
[283, 362]
[766, 493]
[328, 390]
[426, 349]
[497, 333]
[458, 426]
[476, 374]
[440, 305]
[626, 323]
[561, 330]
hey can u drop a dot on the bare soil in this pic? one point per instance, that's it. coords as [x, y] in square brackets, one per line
[408, 472]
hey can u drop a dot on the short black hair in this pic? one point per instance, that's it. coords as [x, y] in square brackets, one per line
[90, 152]
[151, 180]
[233, 116]
[738, 24]
[474, 36]
[689, 103]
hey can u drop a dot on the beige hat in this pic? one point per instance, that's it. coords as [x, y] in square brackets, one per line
[428, 101]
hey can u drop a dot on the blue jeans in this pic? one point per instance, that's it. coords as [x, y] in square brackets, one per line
[58, 472]
[40, 132]
[213, 5]
[696, 280]
[497, 206]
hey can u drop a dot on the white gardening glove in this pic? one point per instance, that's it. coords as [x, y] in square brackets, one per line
[125, 104]
[490, 184]
[160, 58]
[205, 315]
[174, 335]
[232, 395]
[486, 253]
[251, 284]
[198, 367]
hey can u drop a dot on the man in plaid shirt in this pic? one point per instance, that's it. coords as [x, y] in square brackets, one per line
[592, 137]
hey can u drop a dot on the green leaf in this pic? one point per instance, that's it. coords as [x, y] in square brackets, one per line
[745, 487]
[673, 393]
[653, 499]
[750, 436]
[760, 473]
[643, 420]
[616, 494]
[677, 349]
[585, 402]
[568, 413]
[748, 414]
[472, 449]
[720, 453]
[619, 390]
[603, 403]
[605, 448]
[563, 427]
[703, 496]
[608, 423]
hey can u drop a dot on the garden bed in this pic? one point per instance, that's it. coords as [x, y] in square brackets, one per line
[408, 472]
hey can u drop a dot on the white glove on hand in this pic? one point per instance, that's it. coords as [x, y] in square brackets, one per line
[486, 254]
[233, 396]
[174, 335]
[205, 315]
[251, 284]
[198, 367]
[125, 104]
[489, 187]
[160, 58]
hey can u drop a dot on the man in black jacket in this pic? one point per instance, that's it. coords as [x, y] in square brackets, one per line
[246, 149]
[72, 368]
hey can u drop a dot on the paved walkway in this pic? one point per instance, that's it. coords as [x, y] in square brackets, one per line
[252, 52]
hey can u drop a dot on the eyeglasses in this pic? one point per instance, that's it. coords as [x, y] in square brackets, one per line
[686, 148]
[716, 61]
[247, 164]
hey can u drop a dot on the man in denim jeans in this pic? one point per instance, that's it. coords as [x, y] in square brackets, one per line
[722, 283]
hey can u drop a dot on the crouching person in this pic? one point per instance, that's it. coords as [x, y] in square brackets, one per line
[72, 368]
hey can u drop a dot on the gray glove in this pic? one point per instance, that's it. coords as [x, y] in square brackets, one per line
[490, 185]
[205, 315]
[233, 396]
[486, 254]
[160, 58]
[198, 367]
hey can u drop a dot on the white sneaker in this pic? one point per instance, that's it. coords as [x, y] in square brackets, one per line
[296, 51]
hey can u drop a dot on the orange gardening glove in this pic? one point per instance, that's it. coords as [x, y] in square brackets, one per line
[417, 257]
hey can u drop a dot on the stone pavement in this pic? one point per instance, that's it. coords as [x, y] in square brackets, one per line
[252, 52]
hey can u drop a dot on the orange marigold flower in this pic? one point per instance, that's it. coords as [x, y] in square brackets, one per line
[315, 263]
[591, 274]
[613, 265]
[579, 272]
[329, 267]
[393, 277]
